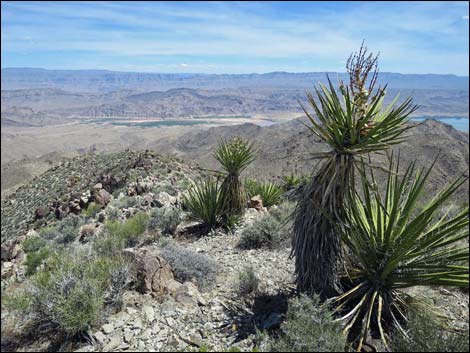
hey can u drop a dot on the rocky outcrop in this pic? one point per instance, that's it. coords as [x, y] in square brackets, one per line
[256, 202]
[153, 273]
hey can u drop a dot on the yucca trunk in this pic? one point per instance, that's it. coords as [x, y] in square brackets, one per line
[234, 195]
[316, 245]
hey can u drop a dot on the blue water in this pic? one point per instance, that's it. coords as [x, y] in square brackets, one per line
[457, 122]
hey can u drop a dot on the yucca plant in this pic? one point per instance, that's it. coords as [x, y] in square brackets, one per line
[352, 123]
[270, 193]
[234, 156]
[290, 181]
[394, 245]
[204, 202]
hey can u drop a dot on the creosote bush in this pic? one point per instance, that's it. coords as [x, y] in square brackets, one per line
[121, 235]
[248, 281]
[32, 244]
[308, 327]
[166, 219]
[92, 209]
[426, 335]
[35, 258]
[269, 231]
[188, 265]
[70, 292]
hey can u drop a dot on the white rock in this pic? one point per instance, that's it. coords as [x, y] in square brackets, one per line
[100, 337]
[149, 313]
[108, 328]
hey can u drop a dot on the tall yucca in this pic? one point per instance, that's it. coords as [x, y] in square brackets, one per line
[234, 156]
[352, 122]
[396, 244]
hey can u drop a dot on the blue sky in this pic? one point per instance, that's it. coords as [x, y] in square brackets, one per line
[234, 37]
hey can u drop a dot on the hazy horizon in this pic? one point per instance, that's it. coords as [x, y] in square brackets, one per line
[227, 73]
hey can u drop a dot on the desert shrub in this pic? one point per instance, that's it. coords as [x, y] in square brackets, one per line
[124, 202]
[68, 228]
[164, 186]
[283, 212]
[49, 233]
[166, 219]
[121, 235]
[308, 327]
[92, 210]
[265, 232]
[188, 265]
[71, 291]
[426, 335]
[112, 213]
[36, 258]
[270, 193]
[248, 281]
[16, 299]
[32, 244]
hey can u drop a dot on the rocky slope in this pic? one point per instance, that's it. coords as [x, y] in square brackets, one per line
[168, 313]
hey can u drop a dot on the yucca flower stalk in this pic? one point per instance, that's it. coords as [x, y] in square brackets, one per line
[234, 156]
[395, 244]
[352, 122]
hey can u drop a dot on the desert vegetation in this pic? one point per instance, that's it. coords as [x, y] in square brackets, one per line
[152, 253]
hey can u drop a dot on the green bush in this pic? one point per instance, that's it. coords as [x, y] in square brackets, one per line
[49, 233]
[112, 213]
[426, 335]
[166, 219]
[36, 258]
[68, 228]
[124, 202]
[92, 210]
[309, 327]
[268, 231]
[270, 193]
[188, 265]
[248, 281]
[72, 289]
[18, 299]
[121, 235]
[164, 186]
[33, 244]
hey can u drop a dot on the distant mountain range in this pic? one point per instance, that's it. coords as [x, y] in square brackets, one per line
[102, 80]
[41, 97]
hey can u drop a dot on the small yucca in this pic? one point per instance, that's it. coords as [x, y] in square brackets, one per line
[234, 156]
[270, 193]
[204, 202]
